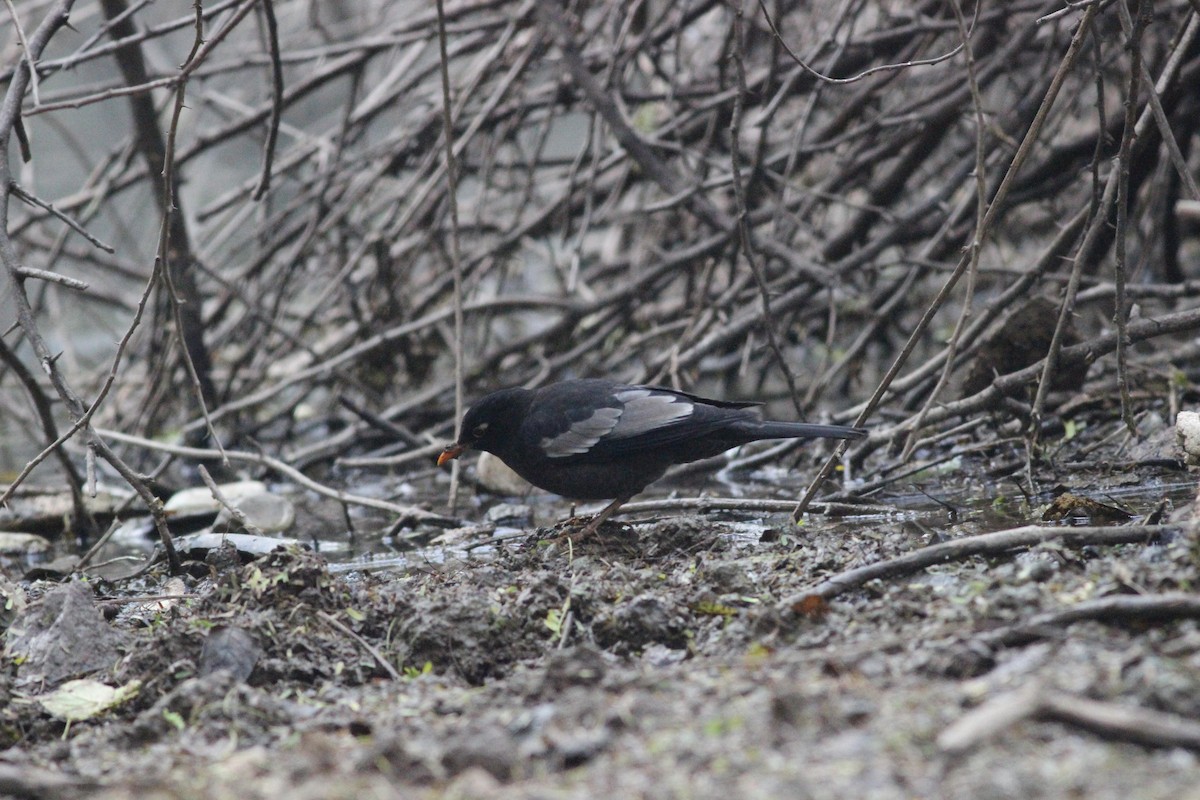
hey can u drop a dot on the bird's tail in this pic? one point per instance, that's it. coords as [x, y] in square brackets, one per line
[804, 430]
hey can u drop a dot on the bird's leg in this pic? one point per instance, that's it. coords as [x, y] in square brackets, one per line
[599, 519]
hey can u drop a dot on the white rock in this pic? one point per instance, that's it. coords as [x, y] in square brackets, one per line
[23, 543]
[495, 476]
[199, 500]
[1187, 432]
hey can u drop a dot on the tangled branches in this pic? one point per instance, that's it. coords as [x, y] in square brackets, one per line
[752, 199]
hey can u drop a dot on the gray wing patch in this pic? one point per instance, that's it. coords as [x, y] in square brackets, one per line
[645, 410]
[580, 437]
[641, 411]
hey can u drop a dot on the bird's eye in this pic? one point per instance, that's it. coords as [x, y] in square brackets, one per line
[479, 430]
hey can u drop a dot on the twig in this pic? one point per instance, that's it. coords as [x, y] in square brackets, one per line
[30, 57]
[41, 404]
[50, 277]
[277, 89]
[997, 714]
[174, 250]
[1121, 722]
[923, 62]
[233, 510]
[1109, 610]
[455, 256]
[975, 247]
[743, 215]
[703, 505]
[69, 221]
[408, 513]
[363, 643]
[1121, 312]
[1152, 99]
[981, 544]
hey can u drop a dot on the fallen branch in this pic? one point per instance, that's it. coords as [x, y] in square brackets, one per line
[982, 545]
[1116, 721]
[408, 514]
[1117, 608]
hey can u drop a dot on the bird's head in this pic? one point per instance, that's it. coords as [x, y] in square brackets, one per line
[489, 423]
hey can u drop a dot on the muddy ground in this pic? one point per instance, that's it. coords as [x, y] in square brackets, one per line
[675, 659]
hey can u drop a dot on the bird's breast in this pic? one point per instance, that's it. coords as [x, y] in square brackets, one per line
[618, 477]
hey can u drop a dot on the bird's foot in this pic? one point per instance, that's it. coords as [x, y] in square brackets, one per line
[590, 529]
[578, 529]
[575, 530]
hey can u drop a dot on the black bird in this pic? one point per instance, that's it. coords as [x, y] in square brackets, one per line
[600, 440]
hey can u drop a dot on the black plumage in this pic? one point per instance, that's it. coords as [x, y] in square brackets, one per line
[600, 440]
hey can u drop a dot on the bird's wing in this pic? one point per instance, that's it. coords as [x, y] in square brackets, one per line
[707, 401]
[579, 435]
[640, 418]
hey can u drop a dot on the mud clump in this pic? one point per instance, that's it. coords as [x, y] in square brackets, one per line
[640, 622]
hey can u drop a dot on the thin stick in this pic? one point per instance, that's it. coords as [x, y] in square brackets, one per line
[408, 513]
[743, 215]
[1122, 722]
[455, 258]
[51, 277]
[1121, 310]
[67, 219]
[277, 89]
[982, 544]
[975, 247]
[1109, 610]
[363, 643]
[233, 510]
[30, 57]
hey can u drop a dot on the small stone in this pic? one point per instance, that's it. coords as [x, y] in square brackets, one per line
[199, 501]
[490, 749]
[576, 666]
[267, 512]
[23, 544]
[1187, 433]
[512, 514]
[472, 783]
[62, 636]
[496, 476]
[231, 649]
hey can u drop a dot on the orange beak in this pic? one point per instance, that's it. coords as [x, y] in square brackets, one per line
[450, 453]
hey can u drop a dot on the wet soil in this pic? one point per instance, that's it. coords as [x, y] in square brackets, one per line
[679, 658]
